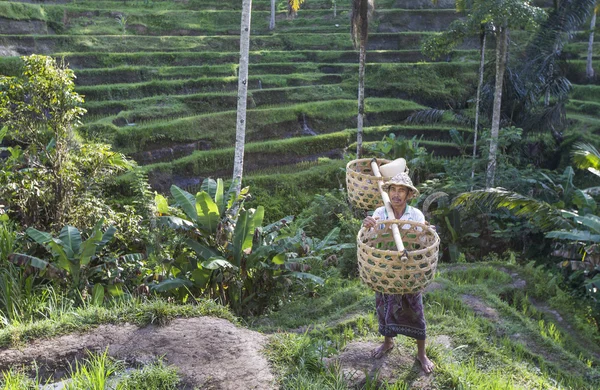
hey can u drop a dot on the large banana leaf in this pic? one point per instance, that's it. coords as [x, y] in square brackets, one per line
[55, 246]
[71, 237]
[574, 235]
[591, 221]
[176, 222]
[203, 251]
[329, 239]
[216, 263]
[162, 206]
[584, 202]
[208, 212]
[186, 201]
[247, 222]
[305, 275]
[26, 260]
[219, 197]
[170, 284]
[41, 238]
[107, 236]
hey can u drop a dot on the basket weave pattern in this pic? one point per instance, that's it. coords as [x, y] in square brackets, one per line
[379, 262]
[363, 192]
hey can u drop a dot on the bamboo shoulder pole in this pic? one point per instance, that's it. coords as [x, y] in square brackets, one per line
[390, 211]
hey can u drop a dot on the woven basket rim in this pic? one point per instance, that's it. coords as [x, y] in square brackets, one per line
[402, 222]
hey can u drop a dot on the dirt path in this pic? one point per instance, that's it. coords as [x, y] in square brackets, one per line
[210, 353]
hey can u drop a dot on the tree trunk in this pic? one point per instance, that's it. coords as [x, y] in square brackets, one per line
[362, 57]
[240, 129]
[334, 8]
[478, 101]
[361, 27]
[501, 54]
[272, 21]
[589, 71]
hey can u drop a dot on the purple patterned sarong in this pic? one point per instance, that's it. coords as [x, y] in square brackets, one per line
[401, 314]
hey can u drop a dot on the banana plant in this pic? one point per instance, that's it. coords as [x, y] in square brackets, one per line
[235, 258]
[74, 260]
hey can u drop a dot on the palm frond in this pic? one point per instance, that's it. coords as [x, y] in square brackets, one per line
[428, 116]
[539, 213]
[586, 156]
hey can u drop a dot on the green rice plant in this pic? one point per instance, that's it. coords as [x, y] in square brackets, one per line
[93, 373]
[479, 274]
[21, 11]
[469, 376]
[550, 331]
[8, 237]
[15, 379]
[156, 376]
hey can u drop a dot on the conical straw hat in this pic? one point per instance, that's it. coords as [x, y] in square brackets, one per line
[401, 179]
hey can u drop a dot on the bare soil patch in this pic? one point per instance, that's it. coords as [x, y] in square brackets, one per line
[209, 353]
[358, 367]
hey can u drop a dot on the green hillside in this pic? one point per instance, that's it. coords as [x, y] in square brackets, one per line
[161, 76]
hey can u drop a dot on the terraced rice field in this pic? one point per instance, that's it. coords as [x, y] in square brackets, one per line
[159, 79]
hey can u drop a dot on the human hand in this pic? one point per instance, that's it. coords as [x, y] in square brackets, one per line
[430, 225]
[370, 222]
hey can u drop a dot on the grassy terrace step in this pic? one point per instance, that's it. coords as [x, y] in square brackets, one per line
[49, 44]
[219, 163]
[585, 123]
[576, 71]
[202, 21]
[427, 135]
[430, 84]
[137, 74]
[589, 93]
[73, 44]
[107, 60]
[116, 62]
[584, 107]
[164, 107]
[202, 84]
[157, 5]
[218, 129]
[443, 81]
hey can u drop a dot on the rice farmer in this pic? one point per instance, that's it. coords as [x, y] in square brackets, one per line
[400, 313]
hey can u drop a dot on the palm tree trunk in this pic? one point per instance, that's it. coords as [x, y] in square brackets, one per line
[362, 57]
[501, 55]
[240, 129]
[589, 71]
[272, 21]
[478, 100]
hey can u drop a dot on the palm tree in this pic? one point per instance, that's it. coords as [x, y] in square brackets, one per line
[503, 15]
[361, 12]
[240, 130]
[542, 72]
[589, 71]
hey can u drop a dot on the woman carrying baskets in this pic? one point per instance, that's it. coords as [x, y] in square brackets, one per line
[400, 313]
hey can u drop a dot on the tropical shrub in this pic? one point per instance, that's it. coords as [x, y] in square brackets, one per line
[231, 256]
[78, 263]
[49, 175]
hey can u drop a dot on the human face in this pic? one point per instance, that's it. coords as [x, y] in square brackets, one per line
[398, 196]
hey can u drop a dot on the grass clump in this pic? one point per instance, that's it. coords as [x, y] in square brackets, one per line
[66, 318]
[152, 376]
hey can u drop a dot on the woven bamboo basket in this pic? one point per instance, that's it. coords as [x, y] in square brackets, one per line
[379, 262]
[363, 192]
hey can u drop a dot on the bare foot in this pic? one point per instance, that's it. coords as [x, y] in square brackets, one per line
[426, 364]
[382, 350]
